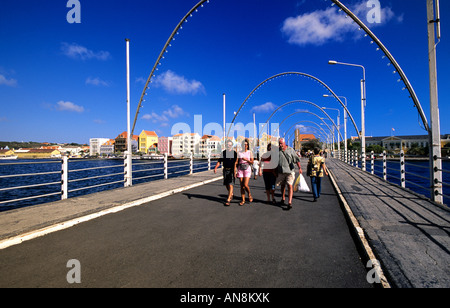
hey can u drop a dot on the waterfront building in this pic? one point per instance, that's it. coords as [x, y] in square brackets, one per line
[38, 153]
[397, 143]
[165, 145]
[148, 142]
[121, 142]
[95, 144]
[184, 144]
[107, 148]
[210, 145]
[301, 139]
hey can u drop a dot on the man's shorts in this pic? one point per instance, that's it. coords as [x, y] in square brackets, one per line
[228, 176]
[286, 178]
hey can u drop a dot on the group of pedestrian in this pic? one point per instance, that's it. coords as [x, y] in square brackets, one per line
[276, 168]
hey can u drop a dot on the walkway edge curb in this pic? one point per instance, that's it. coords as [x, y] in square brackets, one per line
[360, 231]
[70, 223]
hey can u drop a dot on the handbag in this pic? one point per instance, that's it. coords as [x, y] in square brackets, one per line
[243, 167]
[302, 185]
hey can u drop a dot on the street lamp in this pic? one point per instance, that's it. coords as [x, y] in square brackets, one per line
[338, 126]
[363, 106]
[345, 124]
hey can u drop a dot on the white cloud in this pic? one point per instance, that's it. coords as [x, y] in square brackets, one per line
[7, 82]
[96, 82]
[174, 83]
[173, 112]
[76, 51]
[322, 26]
[267, 107]
[154, 117]
[68, 106]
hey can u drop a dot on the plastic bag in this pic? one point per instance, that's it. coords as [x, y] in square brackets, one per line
[302, 185]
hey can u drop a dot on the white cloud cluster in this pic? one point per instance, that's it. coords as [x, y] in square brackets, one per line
[76, 51]
[322, 26]
[174, 83]
[264, 108]
[96, 82]
[173, 112]
[68, 106]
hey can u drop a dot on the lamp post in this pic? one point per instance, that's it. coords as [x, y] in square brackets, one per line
[345, 123]
[363, 107]
[338, 127]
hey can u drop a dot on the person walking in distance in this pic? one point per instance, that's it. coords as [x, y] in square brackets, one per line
[244, 170]
[317, 169]
[228, 159]
[286, 170]
[268, 171]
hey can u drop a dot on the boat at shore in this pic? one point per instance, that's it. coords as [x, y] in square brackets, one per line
[9, 157]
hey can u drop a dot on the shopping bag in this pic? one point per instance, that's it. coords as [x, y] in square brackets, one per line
[302, 185]
[297, 181]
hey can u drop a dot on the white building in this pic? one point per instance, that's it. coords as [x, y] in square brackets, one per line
[95, 144]
[184, 144]
[210, 145]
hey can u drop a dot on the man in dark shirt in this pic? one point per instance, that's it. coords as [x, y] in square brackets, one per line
[228, 159]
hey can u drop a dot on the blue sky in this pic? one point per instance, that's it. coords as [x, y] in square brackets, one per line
[62, 82]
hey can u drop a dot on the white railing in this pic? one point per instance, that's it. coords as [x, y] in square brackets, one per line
[71, 179]
[396, 168]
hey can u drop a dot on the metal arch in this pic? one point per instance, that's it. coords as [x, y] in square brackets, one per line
[331, 131]
[303, 121]
[391, 58]
[175, 31]
[303, 101]
[299, 74]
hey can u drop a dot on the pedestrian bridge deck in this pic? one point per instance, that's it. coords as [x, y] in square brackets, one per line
[177, 233]
[409, 234]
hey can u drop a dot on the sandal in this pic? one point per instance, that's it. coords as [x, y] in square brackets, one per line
[242, 202]
[250, 199]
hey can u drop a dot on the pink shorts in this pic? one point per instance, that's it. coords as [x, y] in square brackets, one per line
[244, 173]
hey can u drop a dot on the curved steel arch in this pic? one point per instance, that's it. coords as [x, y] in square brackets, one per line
[331, 131]
[161, 56]
[391, 58]
[298, 74]
[303, 121]
[307, 102]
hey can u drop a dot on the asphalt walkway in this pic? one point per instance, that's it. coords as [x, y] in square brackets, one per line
[178, 233]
